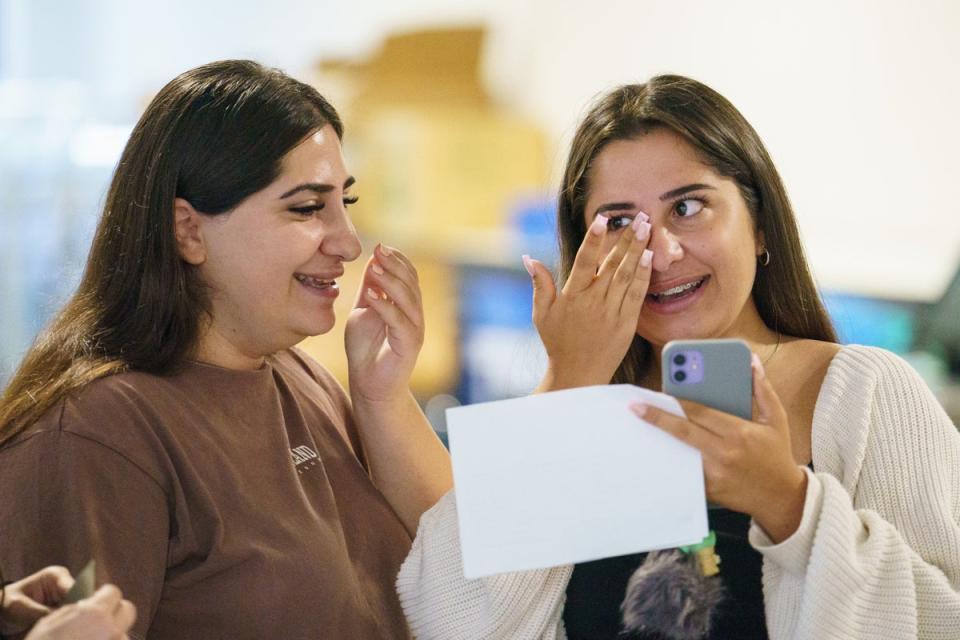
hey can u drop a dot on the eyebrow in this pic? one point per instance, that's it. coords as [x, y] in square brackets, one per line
[614, 206]
[317, 187]
[669, 195]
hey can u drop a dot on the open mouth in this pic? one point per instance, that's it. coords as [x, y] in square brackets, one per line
[315, 283]
[679, 292]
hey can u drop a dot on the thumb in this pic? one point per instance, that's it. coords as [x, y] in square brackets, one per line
[361, 301]
[767, 408]
[61, 576]
[544, 290]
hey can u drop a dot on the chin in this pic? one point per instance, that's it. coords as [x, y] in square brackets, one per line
[315, 326]
[661, 335]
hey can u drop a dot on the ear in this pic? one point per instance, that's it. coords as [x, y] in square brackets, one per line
[189, 234]
[761, 242]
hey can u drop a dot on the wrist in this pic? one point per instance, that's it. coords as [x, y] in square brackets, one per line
[558, 378]
[389, 402]
[782, 511]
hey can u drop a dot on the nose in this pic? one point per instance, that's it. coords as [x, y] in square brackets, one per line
[666, 248]
[340, 237]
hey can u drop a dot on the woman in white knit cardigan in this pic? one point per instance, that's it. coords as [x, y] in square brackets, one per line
[674, 224]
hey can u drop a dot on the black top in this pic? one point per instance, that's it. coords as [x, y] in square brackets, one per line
[596, 589]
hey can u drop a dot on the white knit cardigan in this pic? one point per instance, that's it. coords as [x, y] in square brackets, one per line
[877, 553]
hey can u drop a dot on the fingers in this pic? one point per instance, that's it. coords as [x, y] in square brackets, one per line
[588, 256]
[626, 263]
[125, 615]
[544, 290]
[398, 279]
[713, 420]
[613, 260]
[682, 429]
[402, 331]
[637, 290]
[48, 585]
[62, 578]
[390, 255]
[107, 597]
[767, 408]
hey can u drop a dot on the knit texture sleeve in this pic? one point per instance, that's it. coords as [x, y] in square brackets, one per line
[440, 604]
[877, 553]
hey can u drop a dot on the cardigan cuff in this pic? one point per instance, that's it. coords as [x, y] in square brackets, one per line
[793, 554]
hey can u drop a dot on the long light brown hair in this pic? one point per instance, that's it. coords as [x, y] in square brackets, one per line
[212, 136]
[783, 291]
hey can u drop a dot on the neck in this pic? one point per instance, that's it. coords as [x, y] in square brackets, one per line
[222, 349]
[750, 328]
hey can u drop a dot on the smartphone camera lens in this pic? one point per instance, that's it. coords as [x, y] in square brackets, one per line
[679, 359]
[679, 376]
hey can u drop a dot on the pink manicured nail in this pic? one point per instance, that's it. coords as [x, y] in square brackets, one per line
[646, 258]
[639, 409]
[372, 294]
[757, 365]
[599, 225]
[528, 265]
[384, 250]
[376, 268]
[643, 231]
[643, 216]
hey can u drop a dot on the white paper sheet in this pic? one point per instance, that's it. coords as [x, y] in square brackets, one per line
[570, 476]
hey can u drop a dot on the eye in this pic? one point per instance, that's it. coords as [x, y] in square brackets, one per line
[688, 207]
[307, 210]
[349, 200]
[615, 223]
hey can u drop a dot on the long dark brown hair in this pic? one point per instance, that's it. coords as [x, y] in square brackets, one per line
[783, 291]
[212, 136]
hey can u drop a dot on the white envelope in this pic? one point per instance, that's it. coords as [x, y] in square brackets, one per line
[570, 476]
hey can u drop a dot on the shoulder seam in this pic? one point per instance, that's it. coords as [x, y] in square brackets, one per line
[118, 453]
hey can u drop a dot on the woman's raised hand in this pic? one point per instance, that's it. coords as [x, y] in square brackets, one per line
[385, 330]
[588, 326]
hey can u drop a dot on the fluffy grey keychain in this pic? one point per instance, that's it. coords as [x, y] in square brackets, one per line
[675, 592]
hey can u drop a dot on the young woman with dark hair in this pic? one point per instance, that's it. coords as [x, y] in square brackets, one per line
[165, 425]
[838, 504]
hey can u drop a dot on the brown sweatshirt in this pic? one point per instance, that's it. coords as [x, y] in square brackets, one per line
[225, 504]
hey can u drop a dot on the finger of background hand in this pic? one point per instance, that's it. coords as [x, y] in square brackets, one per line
[398, 291]
[636, 236]
[391, 257]
[684, 430]
[392, 316]
[588, 256]
[48, 585]
[106, 597]
[64, 580]
[125, 615]
[396, 264]
[361, 301]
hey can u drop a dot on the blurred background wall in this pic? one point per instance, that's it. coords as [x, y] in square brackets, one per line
[458, 119]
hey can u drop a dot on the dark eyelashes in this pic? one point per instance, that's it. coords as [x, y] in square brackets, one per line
[618, 222]
[347, 201]
[306, 210]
